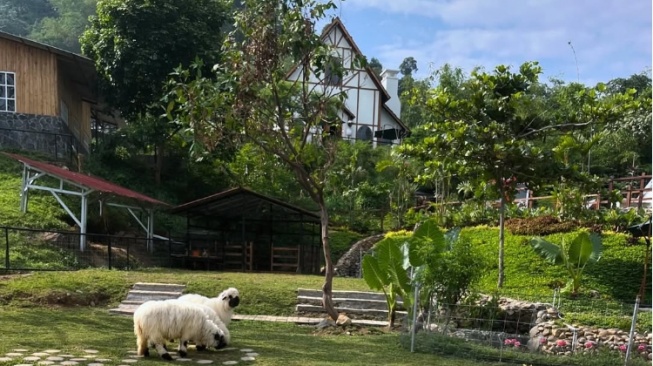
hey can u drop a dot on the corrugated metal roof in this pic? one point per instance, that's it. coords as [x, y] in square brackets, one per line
[236, 202]
[87, 181]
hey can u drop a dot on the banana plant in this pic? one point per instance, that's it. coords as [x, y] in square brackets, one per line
[584, 249]
[387, 268]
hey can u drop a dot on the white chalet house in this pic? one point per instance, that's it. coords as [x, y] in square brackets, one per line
[372, 107]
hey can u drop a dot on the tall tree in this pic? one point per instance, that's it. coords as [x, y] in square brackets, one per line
[376, 66]
[491, 135]
[136, 44]
[408, 66]
[254, 101]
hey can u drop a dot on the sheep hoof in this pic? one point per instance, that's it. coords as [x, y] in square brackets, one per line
[166, 356]
[183, 353]
[200, 347]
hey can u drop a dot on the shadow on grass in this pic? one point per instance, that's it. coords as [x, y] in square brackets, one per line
[621, 278]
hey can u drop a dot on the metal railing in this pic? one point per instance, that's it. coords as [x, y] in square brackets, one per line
[62, 147]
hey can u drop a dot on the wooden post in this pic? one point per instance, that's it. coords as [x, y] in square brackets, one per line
[640, 197]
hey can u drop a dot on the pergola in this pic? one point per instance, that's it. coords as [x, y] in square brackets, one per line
[88, 189]
[242, 229]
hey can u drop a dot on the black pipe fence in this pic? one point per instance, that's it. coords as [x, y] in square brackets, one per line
[52, 250]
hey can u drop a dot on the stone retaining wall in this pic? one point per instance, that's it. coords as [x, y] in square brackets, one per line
[45, 134]
[553, 338]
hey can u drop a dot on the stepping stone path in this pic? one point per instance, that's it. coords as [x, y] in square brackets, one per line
[53, 357]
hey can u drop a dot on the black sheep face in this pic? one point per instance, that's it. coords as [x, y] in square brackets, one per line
[219, 341]
[233, 301]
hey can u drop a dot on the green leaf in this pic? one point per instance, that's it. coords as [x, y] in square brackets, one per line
[580, 250]
[547, 250]
[597, 247]
[372, 274]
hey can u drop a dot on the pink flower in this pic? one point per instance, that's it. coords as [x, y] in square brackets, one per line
[542, 340]
[517, 344]
[508, 342]
[589, 345]
[561, 343]
[623, 348]
[641, 347]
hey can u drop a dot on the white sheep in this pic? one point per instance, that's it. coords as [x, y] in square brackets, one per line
[157, 321]
[212, 316]
[223, 305]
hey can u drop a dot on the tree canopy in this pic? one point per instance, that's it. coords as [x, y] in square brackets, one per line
[137, 44]
[492, 133]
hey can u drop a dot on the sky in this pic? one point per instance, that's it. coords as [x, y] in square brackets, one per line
[609, 38]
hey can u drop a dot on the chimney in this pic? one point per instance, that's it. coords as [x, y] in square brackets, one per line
[391, 84]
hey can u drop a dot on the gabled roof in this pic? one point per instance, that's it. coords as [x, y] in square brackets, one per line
[58, 51]
[336, 22]
[396, 118]
[87, 181]
[237, 202]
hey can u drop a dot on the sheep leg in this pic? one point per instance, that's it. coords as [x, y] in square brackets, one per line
[182, 348]
[141, 344]
[163, 352]
[200, 347]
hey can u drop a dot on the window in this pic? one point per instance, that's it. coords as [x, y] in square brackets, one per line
[333, 71]
[7, 91]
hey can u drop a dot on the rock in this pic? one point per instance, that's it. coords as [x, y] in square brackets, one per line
[348, 264]
[603, 333]
[343, 320]
[546, 332]
[325, 323]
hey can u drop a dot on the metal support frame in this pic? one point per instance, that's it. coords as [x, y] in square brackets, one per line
[83, 192]
[148, 226]
[30, 175]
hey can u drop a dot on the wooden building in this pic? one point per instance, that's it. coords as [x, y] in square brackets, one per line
[239, 229]
[48, 98]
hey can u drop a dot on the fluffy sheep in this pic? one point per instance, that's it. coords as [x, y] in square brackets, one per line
[212, 316]
[223, 305]
[157, 321]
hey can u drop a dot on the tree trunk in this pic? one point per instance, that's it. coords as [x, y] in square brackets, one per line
[327, 288]
[502, 213]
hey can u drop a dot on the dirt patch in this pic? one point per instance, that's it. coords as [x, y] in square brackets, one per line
[7, 277]
[72, 299]
[352, 330]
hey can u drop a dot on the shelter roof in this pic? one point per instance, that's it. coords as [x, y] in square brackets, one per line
[86, 181]
[239, 202]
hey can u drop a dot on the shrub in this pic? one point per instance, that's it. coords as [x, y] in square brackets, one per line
[541, 225]
[340, 241]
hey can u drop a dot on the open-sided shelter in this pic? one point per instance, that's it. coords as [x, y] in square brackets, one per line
[88, 189]
[239, 229]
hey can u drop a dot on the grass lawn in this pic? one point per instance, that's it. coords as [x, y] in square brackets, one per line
[72, 330]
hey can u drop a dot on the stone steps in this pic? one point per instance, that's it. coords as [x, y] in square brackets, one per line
[360, 295]
[142, 292]
[356, 304]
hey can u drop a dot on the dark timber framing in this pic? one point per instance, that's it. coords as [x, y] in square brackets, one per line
[239, 229]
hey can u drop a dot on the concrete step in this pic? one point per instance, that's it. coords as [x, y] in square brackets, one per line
[136, 295]
[370, 312]
[343, 294]
[347, 302]
[124, 310]
[165, 287]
